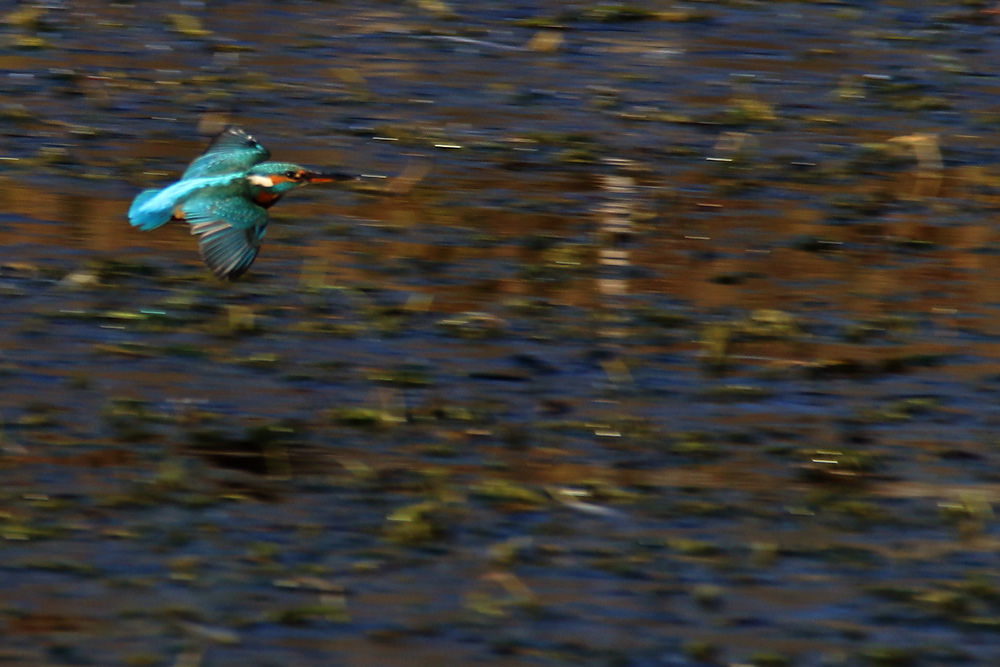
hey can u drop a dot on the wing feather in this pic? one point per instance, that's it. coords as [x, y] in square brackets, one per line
[233, 150]
[229, 230]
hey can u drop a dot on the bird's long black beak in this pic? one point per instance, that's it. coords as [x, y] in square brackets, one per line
[328, 176]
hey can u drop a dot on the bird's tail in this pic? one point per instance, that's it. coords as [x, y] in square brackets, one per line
[147, 214]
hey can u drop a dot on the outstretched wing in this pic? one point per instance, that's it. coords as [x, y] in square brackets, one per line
[230, 230]
[232, 151]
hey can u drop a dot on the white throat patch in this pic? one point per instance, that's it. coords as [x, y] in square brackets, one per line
[262, 181]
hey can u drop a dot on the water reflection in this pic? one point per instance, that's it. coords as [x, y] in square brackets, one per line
[472, 415]
[739, 252]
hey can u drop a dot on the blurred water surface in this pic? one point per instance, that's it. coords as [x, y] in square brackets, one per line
[670, 337]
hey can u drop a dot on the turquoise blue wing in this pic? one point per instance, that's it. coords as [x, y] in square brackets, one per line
[234, 150]
[230, 230]
[152, 208]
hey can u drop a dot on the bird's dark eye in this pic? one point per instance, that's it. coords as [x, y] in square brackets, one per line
[292, 174]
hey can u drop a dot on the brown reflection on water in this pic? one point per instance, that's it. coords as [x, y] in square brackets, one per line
[733, 255]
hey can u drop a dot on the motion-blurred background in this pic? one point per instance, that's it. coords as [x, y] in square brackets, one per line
[669, 337]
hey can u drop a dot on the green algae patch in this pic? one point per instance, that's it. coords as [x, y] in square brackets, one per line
[509, 494]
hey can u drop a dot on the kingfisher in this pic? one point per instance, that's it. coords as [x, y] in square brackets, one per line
[224, 195]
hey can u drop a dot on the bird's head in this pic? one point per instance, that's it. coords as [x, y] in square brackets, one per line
[277, 178]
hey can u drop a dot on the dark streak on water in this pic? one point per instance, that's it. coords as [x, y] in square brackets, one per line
[199, 473]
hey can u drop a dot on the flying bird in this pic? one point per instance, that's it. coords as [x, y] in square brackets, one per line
[224, 195]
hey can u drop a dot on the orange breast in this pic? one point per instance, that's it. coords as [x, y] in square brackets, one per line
[266, 199]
